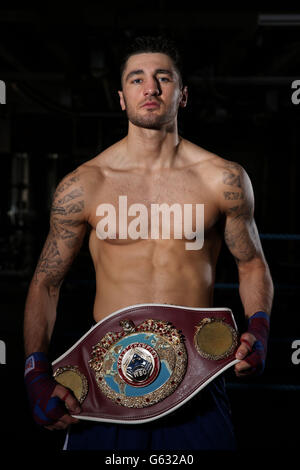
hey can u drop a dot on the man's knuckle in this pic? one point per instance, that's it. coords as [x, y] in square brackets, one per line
[246, 335]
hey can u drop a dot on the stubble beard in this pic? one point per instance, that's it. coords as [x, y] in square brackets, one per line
[147, 122]
[150, 120]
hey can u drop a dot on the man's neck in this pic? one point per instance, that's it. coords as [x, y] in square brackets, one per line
[152, 149]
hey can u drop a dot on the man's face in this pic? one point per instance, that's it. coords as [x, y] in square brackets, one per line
[151, 91]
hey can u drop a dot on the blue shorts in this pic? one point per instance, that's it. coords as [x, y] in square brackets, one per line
[203, 423]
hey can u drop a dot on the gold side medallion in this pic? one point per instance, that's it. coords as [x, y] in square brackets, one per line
[72, 378]
[215, 339]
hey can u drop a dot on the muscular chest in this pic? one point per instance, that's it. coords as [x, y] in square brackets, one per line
[170, 205]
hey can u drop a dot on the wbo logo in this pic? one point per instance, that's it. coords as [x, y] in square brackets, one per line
[2, 92]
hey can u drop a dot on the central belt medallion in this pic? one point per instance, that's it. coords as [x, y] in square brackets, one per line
[141, 365]
[138, 364]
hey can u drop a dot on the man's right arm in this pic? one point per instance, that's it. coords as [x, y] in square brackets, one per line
[65, 237]
[48, 399]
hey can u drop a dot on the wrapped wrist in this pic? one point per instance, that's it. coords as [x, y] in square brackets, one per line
[40, 384]
[259, 326]
[37, 361]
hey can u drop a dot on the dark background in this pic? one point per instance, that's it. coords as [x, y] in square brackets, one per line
[60, 63]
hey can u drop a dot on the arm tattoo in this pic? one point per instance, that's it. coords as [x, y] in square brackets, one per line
[240, 234]
[233, 196]
[242, 240]
[51, 264]
[67, 230]
[231, 176]
[64, 185]
[70, 196]
[62, 207]
[231, 179]
[72, 208]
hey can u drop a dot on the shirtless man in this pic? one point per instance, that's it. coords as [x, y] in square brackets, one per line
[152, 164]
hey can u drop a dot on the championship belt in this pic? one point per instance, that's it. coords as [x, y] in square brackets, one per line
[144, 361]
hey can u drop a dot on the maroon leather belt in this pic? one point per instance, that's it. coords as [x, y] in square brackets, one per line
[144, 361]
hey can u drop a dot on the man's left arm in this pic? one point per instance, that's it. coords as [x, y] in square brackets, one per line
[255, 282]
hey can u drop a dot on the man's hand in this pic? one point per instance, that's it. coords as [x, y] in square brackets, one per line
[253, 349]
[49, 401]
[243, 368]
[71, 405]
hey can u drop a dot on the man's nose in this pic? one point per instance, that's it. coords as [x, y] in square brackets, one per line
[152, 88]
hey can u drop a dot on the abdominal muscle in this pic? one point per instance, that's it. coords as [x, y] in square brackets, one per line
[150, 271]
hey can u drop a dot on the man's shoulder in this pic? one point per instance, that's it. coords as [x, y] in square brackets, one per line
[89, 173]
[212, 163]
[81, 177]
[98, 166]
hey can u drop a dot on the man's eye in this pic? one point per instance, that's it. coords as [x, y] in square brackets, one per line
[164, 79]
[137, 80]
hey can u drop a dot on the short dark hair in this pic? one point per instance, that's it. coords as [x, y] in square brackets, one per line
[154, 44]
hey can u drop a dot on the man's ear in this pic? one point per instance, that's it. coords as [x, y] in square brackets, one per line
[184, 97]
[122, 101]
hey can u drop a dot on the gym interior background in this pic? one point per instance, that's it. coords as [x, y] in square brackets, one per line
[59, 67]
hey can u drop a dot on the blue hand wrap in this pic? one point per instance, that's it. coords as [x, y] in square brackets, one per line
[40, 385]
[259, 326]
